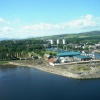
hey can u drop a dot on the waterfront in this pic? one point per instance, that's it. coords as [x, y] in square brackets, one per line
[24, 83]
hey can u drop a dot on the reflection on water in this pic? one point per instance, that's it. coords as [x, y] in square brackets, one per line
[24, 83]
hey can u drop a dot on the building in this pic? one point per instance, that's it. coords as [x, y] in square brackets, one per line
[58, 41]
[51, 41]
[81, 57]
[53, 60]
[64, 41]
[68, 54]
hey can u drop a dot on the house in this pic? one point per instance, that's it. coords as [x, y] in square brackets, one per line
[54, 60]
[51, 60]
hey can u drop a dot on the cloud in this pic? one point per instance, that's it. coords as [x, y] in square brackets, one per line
[2, 21]
[6, 29]
[84, 22]
[42, 26]
[87, 21]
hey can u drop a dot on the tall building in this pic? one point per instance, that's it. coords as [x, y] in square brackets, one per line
[51, 41]
[64, 41]
[58, 41]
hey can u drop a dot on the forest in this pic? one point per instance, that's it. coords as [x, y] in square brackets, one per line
[13, 49]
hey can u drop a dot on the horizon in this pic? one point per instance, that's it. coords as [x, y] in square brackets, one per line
[29, 18]
[1, 39]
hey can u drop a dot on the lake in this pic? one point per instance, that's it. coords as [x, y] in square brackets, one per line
[24, 83]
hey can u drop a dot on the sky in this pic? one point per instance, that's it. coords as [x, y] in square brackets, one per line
[33, 18]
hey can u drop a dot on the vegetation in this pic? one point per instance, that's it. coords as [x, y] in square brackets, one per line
[3, 62]
[79, 38]
[85, 36]
[81, 68]
[13, 49]
[51, 52]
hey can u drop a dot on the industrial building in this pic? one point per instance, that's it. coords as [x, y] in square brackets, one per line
[68, 54]
[82, 57]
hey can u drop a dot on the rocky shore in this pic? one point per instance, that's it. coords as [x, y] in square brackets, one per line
[77, 71]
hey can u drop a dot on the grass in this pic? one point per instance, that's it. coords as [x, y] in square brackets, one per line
[3, 62]
[82, 68]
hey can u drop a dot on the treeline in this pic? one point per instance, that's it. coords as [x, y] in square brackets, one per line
[13, 49]
[89, 40]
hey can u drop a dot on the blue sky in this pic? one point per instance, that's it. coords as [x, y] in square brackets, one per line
[32, 18]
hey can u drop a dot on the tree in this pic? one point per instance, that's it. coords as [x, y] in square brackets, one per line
[60, 46]
[86, 48]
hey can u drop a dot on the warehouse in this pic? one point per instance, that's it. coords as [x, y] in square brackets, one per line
[68, 54]
[81, 57]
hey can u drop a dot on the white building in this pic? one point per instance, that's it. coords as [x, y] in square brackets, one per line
[58, 41]
[51, 41]
[64, 42]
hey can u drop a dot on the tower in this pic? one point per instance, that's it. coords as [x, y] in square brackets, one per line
[58, 41]
[51, 41]
[64, 42]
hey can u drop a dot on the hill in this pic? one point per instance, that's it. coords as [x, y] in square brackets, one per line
[75, 35]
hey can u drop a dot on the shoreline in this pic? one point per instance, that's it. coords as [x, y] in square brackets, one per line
[67, 71]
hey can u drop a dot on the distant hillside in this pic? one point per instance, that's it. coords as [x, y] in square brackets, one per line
[76, 35]
[82, 35]
[92, 32]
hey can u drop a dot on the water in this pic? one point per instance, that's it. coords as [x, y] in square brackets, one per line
[97, 55]
[51, 49]
[23, 83]
[56, 50]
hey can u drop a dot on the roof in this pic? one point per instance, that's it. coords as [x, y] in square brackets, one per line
[82, 57]
[64, 54]
[51, 60]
